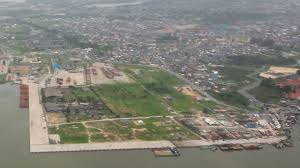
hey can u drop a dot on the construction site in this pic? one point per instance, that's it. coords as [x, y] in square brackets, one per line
[97, 73]
[100, 73]
[277, 72]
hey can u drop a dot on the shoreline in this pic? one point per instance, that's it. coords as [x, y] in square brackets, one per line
[144, 145]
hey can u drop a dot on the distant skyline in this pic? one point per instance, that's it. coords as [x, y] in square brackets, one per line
[12, 0]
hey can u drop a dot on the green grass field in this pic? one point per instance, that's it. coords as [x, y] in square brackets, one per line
[174, 99]
[144, 74]
[71, 133]
[162, 83]
[152, 129]
[130, 100]
[153, 93]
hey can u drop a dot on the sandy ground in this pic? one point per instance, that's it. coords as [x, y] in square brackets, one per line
[56, 118]
[74, 78]
[100, 78]
[189, 92]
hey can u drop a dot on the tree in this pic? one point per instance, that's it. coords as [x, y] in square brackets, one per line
[206, 110]
[268, 82]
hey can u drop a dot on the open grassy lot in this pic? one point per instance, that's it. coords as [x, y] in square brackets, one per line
[130, 100]
[234, 73]
[71, 133]
[176, 100]
[146, 129]
[144, 74]
[153, 93]
[162, 84]
[232, 76]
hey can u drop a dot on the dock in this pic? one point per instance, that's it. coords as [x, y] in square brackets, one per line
[37, 121]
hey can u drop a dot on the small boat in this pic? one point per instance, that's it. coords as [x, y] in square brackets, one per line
[235, 147]
[278, 145]
[252, 146]
[224, 148]
[167, 152]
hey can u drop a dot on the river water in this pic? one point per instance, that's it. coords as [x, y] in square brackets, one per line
[14, 149]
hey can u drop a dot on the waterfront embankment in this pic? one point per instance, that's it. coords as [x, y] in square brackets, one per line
[39, 140]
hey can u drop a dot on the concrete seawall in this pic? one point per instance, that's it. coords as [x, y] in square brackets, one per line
[130, 145]
[37, 123]
[135, 145]
[199, 143]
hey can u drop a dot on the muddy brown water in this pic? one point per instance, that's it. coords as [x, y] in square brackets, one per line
[14, 149]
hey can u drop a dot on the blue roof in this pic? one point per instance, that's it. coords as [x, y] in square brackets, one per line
[56, 66]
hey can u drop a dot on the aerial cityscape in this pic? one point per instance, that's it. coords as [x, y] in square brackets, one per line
[152, 75]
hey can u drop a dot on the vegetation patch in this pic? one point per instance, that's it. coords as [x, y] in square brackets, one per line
[80, 94]
[144, 74]
[261, 60]
[71, 133]
[130, 100]
[267, 92]
[147, 129]
[2, 78]
[231, 97]
[234, 73]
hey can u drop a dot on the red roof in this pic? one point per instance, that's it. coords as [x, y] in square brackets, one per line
[293, 82]
[289, 82]
[294, 95]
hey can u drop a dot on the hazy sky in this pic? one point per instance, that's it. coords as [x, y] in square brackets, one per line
[12, 0]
